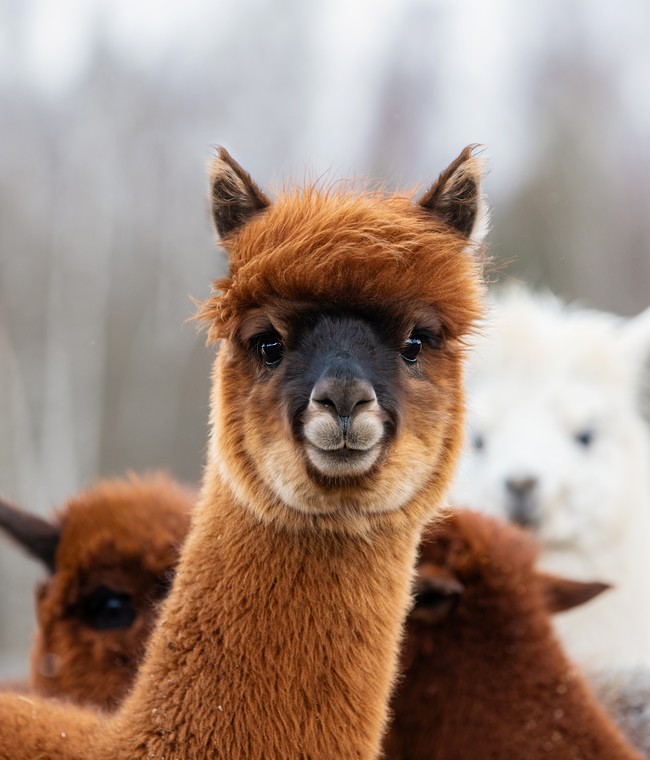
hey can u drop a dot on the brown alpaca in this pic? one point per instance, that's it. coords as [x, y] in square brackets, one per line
[110, 553]
[336, 424]
[484, 675]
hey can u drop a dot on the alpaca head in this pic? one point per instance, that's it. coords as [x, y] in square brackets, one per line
[556, 437]
[337, 390]
[477, 578]
[110, 554]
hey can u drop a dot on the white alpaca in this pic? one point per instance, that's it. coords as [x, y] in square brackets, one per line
[557, 442]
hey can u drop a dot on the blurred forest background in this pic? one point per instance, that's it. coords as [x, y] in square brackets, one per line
[110, 110]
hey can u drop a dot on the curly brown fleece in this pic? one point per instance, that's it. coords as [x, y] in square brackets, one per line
[484, 676]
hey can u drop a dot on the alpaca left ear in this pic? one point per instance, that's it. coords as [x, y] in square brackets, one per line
[235, 197]
[563, 594]
[36, 535]
[456, 198]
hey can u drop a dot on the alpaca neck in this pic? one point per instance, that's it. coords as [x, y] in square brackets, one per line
[272, 643]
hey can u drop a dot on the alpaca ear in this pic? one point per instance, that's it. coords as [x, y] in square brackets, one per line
[235, 197]
[456, 198]
[563, 594]
[37, 536]
[635, 337]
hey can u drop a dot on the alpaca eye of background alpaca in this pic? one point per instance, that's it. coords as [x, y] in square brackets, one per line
[478, 442]
[163, 584]
[105, 609]
[430, 599]
[411, 350]
[585, 437]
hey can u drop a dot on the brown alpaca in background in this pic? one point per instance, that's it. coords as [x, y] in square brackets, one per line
[110, 553]
[484, 676]
[336, 425]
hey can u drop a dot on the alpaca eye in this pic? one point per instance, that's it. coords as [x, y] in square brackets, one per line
[163, 584]
[478, 442]
[105, 609]
[411, 350]
[585, 437]
[271, 353]
[269, 347]
[430, 599]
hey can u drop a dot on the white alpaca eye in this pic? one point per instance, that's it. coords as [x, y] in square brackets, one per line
[585, 437]
[478, 442]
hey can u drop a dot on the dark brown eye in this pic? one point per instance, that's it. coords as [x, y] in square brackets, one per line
[106, 609]
[270, 349]
[411, 350]
[585, 437]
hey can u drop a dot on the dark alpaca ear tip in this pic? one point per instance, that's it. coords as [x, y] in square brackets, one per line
[224, 157]
[563, 594]
[38, 537]
[235, 197]
[223, 154]
[456, 197]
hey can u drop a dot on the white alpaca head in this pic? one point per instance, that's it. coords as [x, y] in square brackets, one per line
[556, 439]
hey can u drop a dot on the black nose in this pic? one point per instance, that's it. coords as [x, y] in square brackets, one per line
[344, 395]
[522, 496]
[521, 488]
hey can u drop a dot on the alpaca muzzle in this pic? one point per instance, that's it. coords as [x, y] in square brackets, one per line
[343, 426]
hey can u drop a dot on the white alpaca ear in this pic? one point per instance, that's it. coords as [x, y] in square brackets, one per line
[635, 338]
[235, 197]
[456, 197]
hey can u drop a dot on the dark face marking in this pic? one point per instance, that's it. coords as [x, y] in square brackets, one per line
[340, 378]
[344, 356]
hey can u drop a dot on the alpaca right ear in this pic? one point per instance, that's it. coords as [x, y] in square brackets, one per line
[37, 536]
[235, 197]
[456, 198]
[635, 338]
[563, 594]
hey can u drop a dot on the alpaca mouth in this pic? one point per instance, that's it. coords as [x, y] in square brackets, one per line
[343, 461]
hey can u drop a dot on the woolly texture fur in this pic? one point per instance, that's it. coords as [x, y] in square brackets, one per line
[557, 441]
[486, 678]
[337, 248]
[124, 535]
[279, 638]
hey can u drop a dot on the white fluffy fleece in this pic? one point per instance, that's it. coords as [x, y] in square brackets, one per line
[556, 440]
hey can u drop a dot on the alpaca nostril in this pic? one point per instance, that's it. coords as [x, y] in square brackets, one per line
[327, 402]
[521, 487]
[343, 396]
